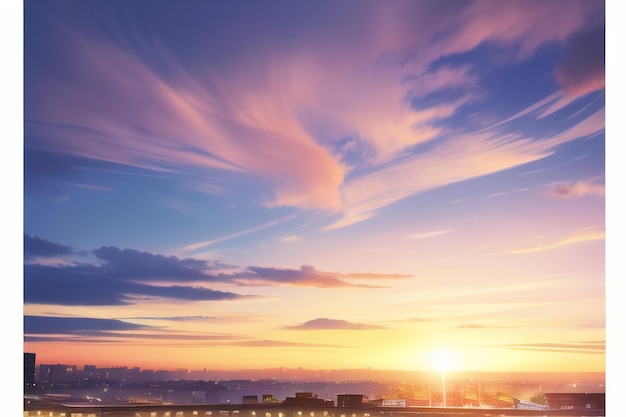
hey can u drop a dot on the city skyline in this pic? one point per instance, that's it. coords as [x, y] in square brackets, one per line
[121, 372]
[315, 185]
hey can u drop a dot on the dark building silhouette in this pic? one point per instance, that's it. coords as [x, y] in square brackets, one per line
[250, 399]
[29, 370]
[575, 401]
[307, 399]
[57, 373]
[351, 400]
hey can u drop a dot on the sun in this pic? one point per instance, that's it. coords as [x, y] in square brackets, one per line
[443, 360]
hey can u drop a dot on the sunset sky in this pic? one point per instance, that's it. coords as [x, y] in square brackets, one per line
[322, 184]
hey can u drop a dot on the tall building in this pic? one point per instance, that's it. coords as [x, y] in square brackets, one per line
[29, 370]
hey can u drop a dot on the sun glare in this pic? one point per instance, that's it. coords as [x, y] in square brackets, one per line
[443, 360]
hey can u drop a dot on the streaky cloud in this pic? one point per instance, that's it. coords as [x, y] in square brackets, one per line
[74, 325]
[467, 156]
[306, 276]
[473, 326]
[426, 235]
[176, 318]
[199, 245]
[579, 236]
[91, 285]
[595, 347]
[280, 343]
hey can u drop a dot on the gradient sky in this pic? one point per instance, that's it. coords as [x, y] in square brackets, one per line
[327, 184]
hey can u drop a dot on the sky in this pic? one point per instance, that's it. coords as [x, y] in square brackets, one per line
[324, 185]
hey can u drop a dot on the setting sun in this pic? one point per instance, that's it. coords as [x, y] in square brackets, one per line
[444, 360]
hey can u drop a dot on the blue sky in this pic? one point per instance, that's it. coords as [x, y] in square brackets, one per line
[289, 181]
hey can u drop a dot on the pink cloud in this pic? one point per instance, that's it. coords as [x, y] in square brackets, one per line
[252, 119]
[467, 156]
[575, 189]
[125, 113]
[519, 22]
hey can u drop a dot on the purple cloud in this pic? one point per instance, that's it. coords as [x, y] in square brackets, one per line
[37, 247]
[582, 69]
[306, 276]
[75, 325]
[332, 324]
[573, 189]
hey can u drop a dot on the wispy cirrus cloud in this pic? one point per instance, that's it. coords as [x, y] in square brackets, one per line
[466, 156]
[426, 235]
[332, 324]
[176, 318]
[524, 25]
[579, 236]
[247, 114]
[200, 245]
[472, 326]
[590, 347]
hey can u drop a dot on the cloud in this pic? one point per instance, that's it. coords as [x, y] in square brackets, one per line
[278, 343]
[92, 187]
[137, 117]
[582, 69]
[123, 278]
[465, 156]
[413, 320]
[37, 247]
[579, 236]
[519, 24]
[574, 189]
[92, 285]
[74, 325]
[177, 318]
[426, 235]
[472, 326]
[290, 238]
[592, 347]
[153, 103]
[306, 276]
[199, 245]
[331, 324]
[143, 266]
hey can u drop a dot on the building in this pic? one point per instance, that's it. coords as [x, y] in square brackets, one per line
[575, 401]
[351, 400]
[29, 370]
[250, 399]
[57, 373]
[307, 399]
